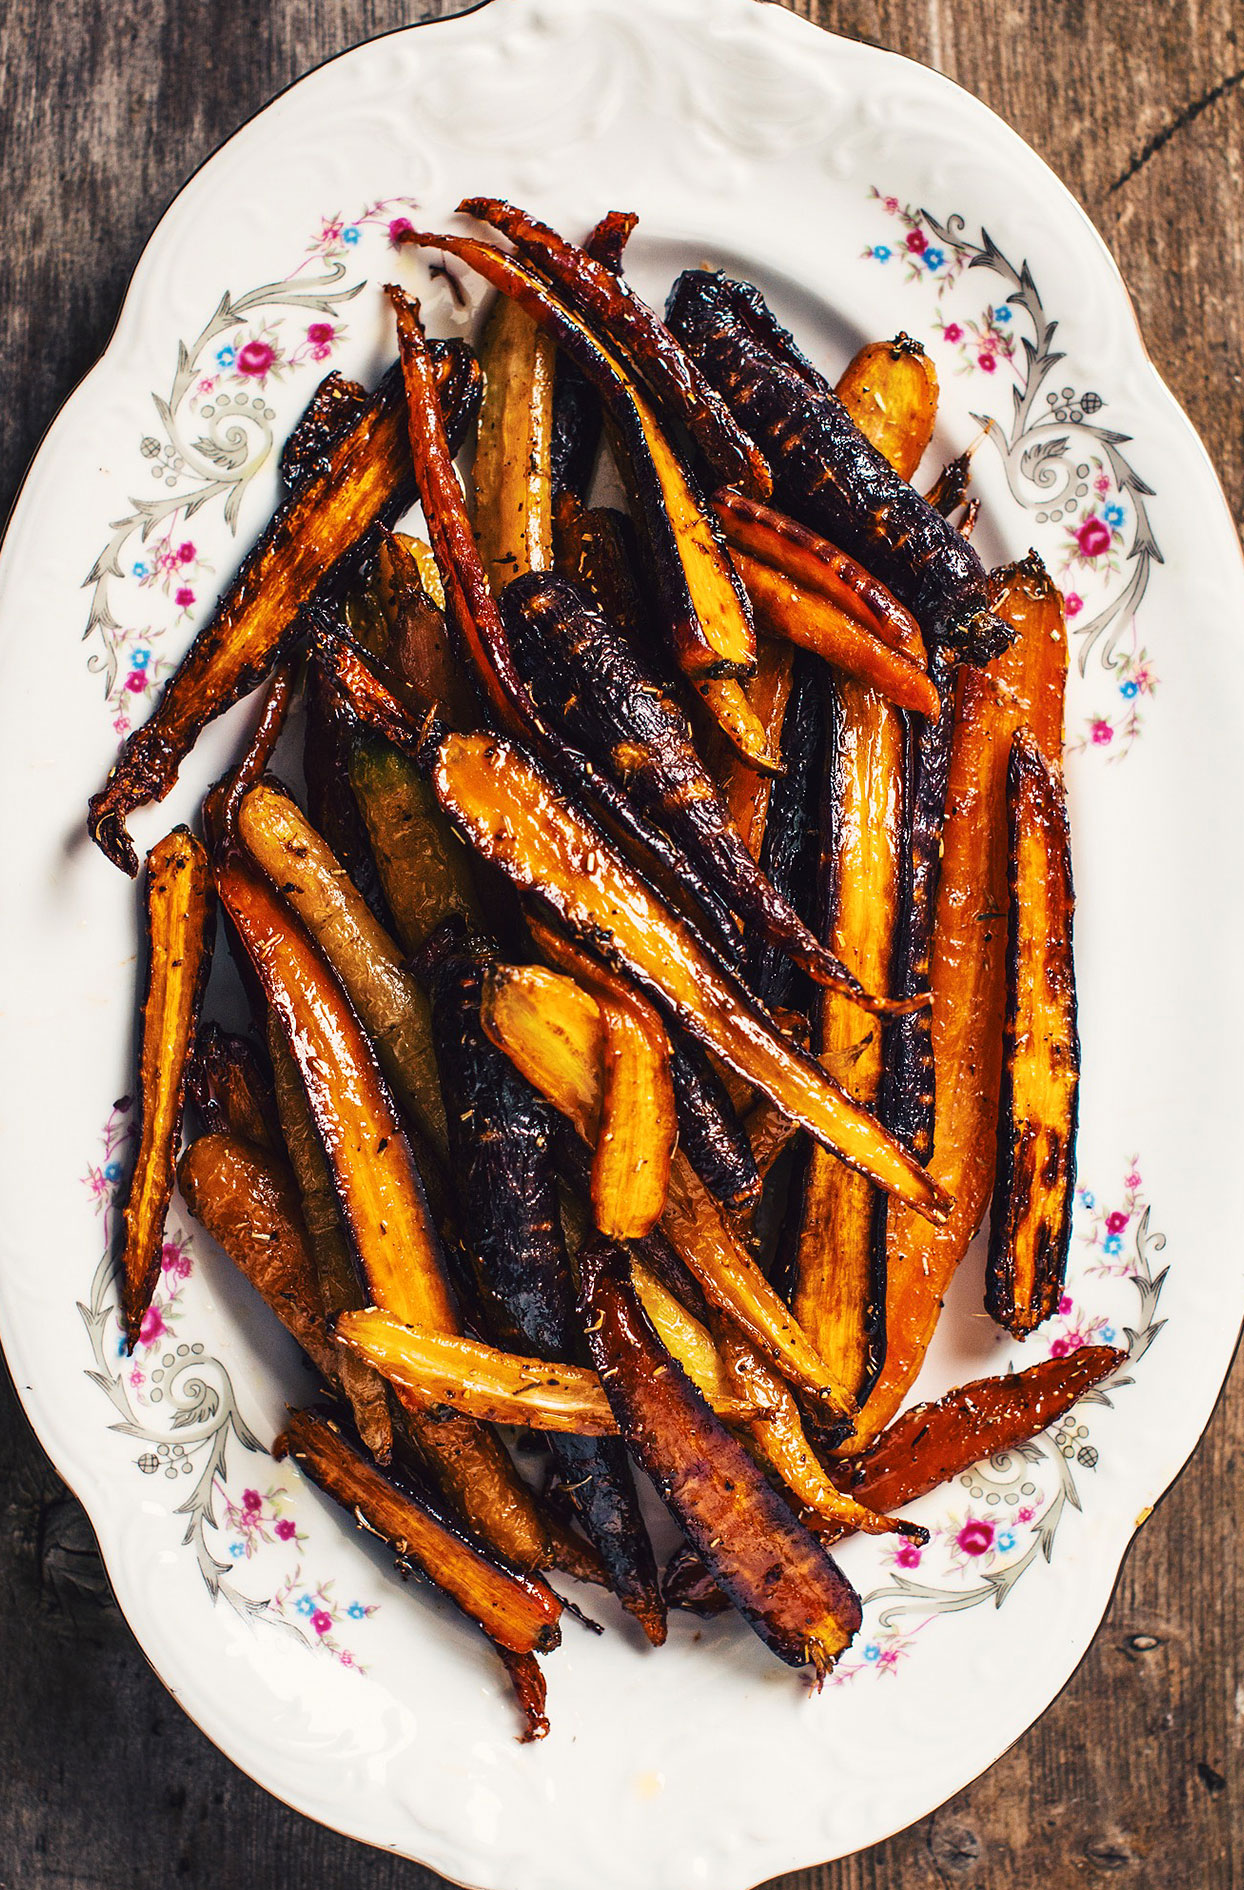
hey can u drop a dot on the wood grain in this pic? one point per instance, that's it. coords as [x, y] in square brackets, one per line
[1134, 1775]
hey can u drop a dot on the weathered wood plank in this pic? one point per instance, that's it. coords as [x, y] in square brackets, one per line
[1134, 1774]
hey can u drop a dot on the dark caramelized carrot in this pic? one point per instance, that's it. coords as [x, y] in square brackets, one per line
[606, 241]
[704, 610]
[776, 1573]
[472, 607]
[1037, 1111]
[181, 925]
[501, 1139]
[597, 291]
[367, 479]
[513, 470]
[825, 470]
[816, 566]
[232, 1090]
[932, 1443]
[334, 407]
[586, 679]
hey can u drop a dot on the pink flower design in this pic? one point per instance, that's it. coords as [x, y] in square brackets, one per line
[917, 242]
[1065, 1304]
[398, 228]
[1073, 603]
[1093, 537]
[1059, 1349]
[136, 682]
[986, 361]
[346, 1657]
[137, 1378]
[206, 385]
[907, 1555]
[321, 1621]
[185, 553]
[121, 724]
[891, 204]
[286, 1530]
[1132, 1180]
[1102, 483]
[255, 359]
[1025, 1515]
[152, 1327]
[321, 333]
[185, 596]
[976, 1536]
[1116, 1222]
[953, 332]
[175, 1260]
[1101, 731]
[252, 1502]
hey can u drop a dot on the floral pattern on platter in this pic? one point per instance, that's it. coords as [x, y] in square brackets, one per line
[1062, 464]
[215, 432]
[1006, 1511]
[178, 1403]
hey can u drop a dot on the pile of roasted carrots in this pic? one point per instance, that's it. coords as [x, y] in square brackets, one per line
[670, 955]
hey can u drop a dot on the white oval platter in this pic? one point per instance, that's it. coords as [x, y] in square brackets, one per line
[865, 195]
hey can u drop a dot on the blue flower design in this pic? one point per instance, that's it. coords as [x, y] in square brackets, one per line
[356, 1611]
[1002, 313]
[1107, 1335]
[237, 1548]
[351, 235]
[1129, 689]
[1113, 1243]
[139, 659]
[226, 356]
[881, 252]
[934, 258]
[1089, 1200]
[872, 1651]
[1113, 515]
[113, 1172]
[1006, 1541]
[140, 570]
[305, 1605]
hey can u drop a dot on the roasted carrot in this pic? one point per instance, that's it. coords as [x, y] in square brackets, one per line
[510, 811]
[367, 479]
[710, 1132]
[788, 850]
[839, 1268]
[378, 1188]
[890, 390]
[390, 1003]
[513, 453]
[517, 1613]
[424, 868]
[784, 609]
[333, 408]
[1025, 687]
[729, 707]
[932, 1443]
[704, 611]
[231, 1089]
[638, 1123]
[779, 1577]
[471, 605]
[421, 649]
[825, 470]
[338, 1279]
[587, 680]
[746, 789]
[180, 927]
[501, 1387]
[1037, 1113]
[597, 291]
[819, 567]
[248, 1201]
[502, 1133]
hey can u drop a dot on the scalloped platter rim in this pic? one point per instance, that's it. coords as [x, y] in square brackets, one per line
[865, 194]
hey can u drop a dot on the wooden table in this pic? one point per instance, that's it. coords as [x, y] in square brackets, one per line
[1134, 1774]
